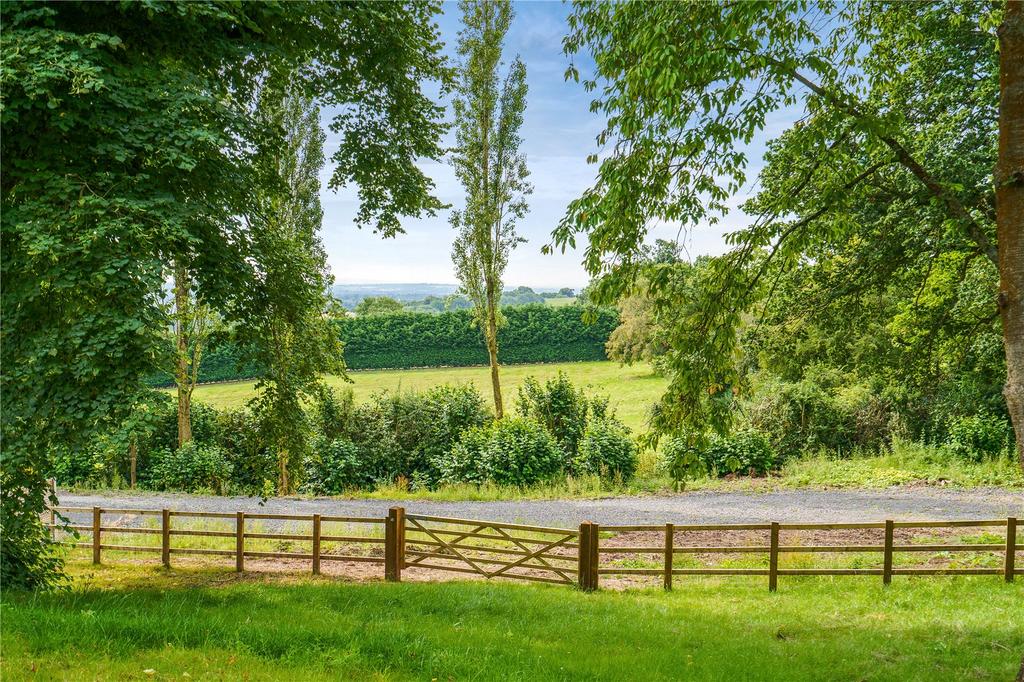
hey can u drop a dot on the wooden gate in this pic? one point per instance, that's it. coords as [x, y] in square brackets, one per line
[490, 549]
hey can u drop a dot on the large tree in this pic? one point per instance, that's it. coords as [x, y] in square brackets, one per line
[284, 329]
[130, 142]
[488, 116]
[897, 110]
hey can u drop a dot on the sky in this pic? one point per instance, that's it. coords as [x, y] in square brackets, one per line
[558, 132]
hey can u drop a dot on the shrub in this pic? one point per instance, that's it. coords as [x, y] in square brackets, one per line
[979, 437]
[331, 467]
[606, 450]
[745, 451]
[194, 467]
[253, 463]
[561, 408]
[511, 451]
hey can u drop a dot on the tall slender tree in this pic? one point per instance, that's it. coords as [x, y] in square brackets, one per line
[488, 114]
[285, 329]
[193, 324]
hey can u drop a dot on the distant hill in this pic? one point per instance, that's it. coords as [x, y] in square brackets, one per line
[430, 297]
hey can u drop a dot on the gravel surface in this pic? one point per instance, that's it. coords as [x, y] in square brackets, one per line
[792, 506]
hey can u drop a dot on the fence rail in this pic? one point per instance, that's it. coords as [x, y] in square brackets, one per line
[492, 549]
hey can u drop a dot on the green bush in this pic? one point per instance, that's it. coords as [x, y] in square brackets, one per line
[980, 437]
[194, 467]
[333, 466]
[606, 450]
[532, 333]
[561, 408]
[744, 452]
[253, 462]
[510, 451]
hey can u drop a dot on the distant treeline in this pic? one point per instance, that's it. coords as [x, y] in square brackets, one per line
[533, 333]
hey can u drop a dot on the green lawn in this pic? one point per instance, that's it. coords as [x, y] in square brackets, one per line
[144, 623]
[632, 390]
[559, 301]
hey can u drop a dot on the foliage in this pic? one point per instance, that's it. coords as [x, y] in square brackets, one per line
[561, 408]
[378, 305]
[131, 141]
[194, 467]
[882, 191]
[980, 437]
[746, 451]
[334, 466]
[511, 451]
[284, 329]
[488, 163]
[606, 449]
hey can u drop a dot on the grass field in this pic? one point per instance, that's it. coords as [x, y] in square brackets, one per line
[632, 390]
[145, 623]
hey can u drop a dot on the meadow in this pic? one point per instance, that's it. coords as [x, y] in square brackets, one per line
[134, 622]
[632, 390]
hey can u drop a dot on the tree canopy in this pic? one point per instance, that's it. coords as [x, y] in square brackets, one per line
[130, 141]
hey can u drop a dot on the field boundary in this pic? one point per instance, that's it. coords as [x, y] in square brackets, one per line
[492, 549]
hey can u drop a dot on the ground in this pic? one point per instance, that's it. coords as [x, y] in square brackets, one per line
[131, 622]
[632, 390]
[907, 503]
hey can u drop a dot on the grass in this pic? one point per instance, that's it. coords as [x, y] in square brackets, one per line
[147, 623]
[632, 390]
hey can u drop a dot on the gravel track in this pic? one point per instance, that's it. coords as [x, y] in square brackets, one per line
[787, 506]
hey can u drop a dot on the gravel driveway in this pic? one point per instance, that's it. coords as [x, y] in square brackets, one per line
[792, 506]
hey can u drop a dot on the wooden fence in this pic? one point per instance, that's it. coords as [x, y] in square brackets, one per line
[539, 553]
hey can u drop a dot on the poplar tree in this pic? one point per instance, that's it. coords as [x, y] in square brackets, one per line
[488, 117]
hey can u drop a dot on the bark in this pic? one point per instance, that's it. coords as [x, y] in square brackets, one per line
[1009, 181]
[182, 376]
[133, 458]
[282, 481]
[491, 335]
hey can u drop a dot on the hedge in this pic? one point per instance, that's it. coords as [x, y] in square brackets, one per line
[533, 333]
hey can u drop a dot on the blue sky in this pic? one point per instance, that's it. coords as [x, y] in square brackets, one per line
[558, 132]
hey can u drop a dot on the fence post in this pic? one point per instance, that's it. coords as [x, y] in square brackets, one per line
[394, 545]
[240, 541]
[1011, 548]
[49, 504]
[583, 557]
[669, 555]
[773, 559]
[595, 557]
[316, 544]
[165, 540]
[887, 556]
[96, 513]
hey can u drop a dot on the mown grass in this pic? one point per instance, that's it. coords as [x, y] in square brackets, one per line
[631, 390]
[147, 623]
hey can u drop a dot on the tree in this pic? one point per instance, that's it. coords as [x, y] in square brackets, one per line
[566, 292]
[897, 134]
[129, 139]
[284, 329]
[193, 324]
[487, 161]
[379, 305]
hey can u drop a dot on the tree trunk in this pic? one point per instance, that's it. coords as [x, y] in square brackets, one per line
[491, 337]
[1009, 180]
[182, 377]
[282, 480]
[133, 458]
